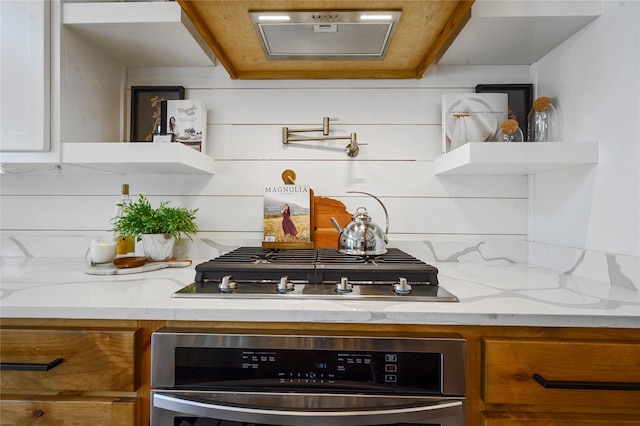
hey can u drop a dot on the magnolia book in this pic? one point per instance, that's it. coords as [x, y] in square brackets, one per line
[471, 117]
[186, 119]
[287, 215]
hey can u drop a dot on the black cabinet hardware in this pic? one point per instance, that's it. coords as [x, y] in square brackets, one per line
[20, 366]
[577, 384]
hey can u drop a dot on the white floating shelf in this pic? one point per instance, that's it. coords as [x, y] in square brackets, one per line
[138, 158]
[140, 34]
[517, 32]
[504, 158]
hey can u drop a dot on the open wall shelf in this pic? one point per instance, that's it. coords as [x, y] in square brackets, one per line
[504, 158]
[137, 158]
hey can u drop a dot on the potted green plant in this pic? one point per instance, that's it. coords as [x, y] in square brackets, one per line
[158, 228]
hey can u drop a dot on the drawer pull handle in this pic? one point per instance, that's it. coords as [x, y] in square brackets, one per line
[567, 384]
[26, 366]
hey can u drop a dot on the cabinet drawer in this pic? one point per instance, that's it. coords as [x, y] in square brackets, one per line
[95, 360]
[583, 369]
[59, 410]
[558, 419]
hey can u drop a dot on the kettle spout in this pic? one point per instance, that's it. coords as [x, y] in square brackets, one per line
[335, 224]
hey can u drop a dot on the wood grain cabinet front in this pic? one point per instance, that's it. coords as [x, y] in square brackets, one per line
[530, 381]
[58, 376]
[64, 410]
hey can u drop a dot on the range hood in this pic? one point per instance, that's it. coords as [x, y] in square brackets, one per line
[325, 39]
[325, 35]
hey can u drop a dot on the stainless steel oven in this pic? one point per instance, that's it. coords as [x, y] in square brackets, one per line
[204, 377]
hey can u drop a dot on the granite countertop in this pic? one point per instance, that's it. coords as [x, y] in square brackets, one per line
[516, 294]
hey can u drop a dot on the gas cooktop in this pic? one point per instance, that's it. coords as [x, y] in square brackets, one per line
[255, 272]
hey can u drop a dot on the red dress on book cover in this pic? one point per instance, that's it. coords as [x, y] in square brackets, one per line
[287, 224]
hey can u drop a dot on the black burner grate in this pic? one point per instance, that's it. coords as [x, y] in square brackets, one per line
[315, 266]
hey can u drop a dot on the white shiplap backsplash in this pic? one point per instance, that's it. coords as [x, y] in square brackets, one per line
[399, 120]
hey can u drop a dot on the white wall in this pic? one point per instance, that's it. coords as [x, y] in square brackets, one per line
[594, 79]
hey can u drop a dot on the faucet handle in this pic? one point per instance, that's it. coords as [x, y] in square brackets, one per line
[325, 124]
[352, 149]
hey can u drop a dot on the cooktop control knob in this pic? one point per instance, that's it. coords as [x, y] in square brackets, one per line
[285, 285]
[227, 285]
[402, 286]
[344, 286]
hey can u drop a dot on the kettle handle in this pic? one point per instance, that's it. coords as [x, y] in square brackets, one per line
[386, 214]
[335, 224]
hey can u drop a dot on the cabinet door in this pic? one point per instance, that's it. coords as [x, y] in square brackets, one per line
[24, 75]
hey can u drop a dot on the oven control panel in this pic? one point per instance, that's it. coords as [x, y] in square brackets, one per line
[185, 359]
[377, 371]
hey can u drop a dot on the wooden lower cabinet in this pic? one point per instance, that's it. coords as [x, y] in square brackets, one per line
[60, 375]
[560, 381]
[500, 365]
[68, 411]
[557, 419]
[581, 373]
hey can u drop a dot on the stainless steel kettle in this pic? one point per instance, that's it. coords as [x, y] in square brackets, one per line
[362, 237]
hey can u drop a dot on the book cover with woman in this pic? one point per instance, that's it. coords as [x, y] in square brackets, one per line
[287, 213]
[288, 227]
[186, 119]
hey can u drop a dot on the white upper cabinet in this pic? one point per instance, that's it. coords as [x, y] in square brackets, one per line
[93, 44]
[101, 40]
[517, 32]
[140, 34]
[24, 76]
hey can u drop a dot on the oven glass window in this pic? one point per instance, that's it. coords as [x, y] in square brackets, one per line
[308, 370]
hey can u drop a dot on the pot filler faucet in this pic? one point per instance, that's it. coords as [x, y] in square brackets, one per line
[352, 149]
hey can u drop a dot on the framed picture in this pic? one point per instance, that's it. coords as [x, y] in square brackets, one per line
[519, 100]
[146, 110]
[163, 137]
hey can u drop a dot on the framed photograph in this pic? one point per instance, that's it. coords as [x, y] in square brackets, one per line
[519, 100]
[163, 137]
[146, 110]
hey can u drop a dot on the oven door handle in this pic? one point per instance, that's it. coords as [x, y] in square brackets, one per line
[439, 410]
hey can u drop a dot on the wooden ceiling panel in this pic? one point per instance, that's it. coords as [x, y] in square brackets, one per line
[425, 29]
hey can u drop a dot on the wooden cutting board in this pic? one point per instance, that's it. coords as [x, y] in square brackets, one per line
[111, 269]
[324, 233]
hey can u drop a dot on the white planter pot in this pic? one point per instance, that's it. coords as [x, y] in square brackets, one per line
[158, 247]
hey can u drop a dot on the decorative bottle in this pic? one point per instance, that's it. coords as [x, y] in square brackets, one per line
[125, 244]
[542, 121]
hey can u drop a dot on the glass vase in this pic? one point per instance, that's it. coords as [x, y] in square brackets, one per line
[510, 131]
[542, 121]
